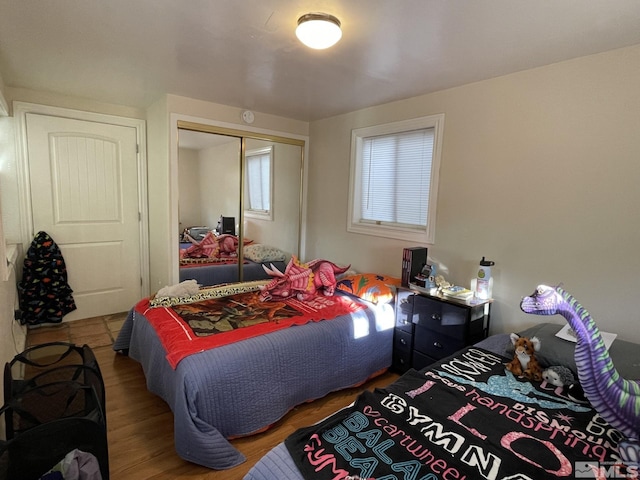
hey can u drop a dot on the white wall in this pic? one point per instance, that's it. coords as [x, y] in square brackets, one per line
[76, 103]
[220, 182]
[189, 184]
[209, 183]
[540, 173]
[12, 334]
[9, 181]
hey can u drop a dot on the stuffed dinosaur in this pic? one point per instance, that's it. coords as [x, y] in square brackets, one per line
[302, 280]
[214, 246]
[616, 399]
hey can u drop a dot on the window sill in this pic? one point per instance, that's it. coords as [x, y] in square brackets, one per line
[414, 236]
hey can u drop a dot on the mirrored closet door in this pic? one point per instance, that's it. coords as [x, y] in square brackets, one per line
[237, 186]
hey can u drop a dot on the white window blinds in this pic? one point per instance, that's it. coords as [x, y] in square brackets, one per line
[396, 178]
[259, 181]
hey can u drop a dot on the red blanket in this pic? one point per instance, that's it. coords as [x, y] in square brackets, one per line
[187, 329]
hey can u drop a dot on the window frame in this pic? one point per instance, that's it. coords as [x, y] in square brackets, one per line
[249, 212]
[354, 223]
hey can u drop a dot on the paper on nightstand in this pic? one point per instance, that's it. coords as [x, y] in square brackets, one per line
[567, 333]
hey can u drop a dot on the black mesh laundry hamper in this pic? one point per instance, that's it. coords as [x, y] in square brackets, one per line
[54, 403]
[31, 454]
[54, 397]
[36, 360]
[48, 421]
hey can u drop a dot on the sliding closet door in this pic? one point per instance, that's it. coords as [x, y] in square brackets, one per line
[208, 181]
[254, 178]
[280, 225]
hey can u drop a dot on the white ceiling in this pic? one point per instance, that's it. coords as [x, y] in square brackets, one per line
[244, 53]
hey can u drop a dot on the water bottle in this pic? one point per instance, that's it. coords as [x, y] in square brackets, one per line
[484, 282]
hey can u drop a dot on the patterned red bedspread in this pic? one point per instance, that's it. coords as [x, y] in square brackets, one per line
[187, 329]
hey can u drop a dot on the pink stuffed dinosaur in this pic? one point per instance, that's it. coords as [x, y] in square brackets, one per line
[302, 280]
[212, 246]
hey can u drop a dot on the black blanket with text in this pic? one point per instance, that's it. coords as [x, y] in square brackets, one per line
[466, 417]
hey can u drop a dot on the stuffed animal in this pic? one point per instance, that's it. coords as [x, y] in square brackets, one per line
[565, 382]
[301, 280]
[614, 397]
[558, 376]
[524, 363]
[183, 289]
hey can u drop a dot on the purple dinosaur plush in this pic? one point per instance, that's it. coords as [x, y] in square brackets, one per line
[617, 400]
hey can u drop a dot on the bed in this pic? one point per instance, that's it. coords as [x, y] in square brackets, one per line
[241, 388]
[215, 271]
[463, 417]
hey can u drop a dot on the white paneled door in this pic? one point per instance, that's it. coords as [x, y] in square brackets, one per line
[84, 193]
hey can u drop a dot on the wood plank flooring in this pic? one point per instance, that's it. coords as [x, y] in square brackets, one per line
[140, 424]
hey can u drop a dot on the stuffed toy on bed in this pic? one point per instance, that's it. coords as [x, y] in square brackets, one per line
[524, 363]
[301, 280]
[183, 289]
[565, 382]
[558, 376]
[214, 246]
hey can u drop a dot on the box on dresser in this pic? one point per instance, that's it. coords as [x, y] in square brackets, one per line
[413, 259]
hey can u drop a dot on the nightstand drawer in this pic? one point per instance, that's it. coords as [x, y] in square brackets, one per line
[401, 361]
[402, 347]
[421, 361]
[404, 310]
[441, 317]
[402, 340]
[435, 344]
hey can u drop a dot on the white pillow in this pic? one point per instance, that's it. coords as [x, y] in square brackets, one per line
[264, 253]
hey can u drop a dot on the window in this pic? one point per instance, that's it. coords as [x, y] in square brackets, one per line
[259, 175]
[394, 179]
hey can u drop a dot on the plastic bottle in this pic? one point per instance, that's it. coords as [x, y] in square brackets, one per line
[484, 282]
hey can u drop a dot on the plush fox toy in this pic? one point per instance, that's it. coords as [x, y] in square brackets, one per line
[524, 363]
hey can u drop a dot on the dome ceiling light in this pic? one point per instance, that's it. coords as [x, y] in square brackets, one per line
[318, 30]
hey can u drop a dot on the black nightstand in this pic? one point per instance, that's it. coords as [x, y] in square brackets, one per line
[431, 327]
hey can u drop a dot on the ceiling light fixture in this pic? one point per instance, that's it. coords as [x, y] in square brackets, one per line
[318, 30]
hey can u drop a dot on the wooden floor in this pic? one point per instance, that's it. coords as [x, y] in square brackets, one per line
[140, 424]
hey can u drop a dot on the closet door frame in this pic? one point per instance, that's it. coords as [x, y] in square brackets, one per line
[186, 122]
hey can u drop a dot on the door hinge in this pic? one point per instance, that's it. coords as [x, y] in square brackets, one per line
[137, 148]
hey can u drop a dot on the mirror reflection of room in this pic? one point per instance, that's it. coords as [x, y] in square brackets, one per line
[209, 189]
[211, 224]
[208, 181]
[279, 226]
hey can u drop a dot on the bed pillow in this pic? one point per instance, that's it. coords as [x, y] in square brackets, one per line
[556, 351]
[260, 253]
[372, 287]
